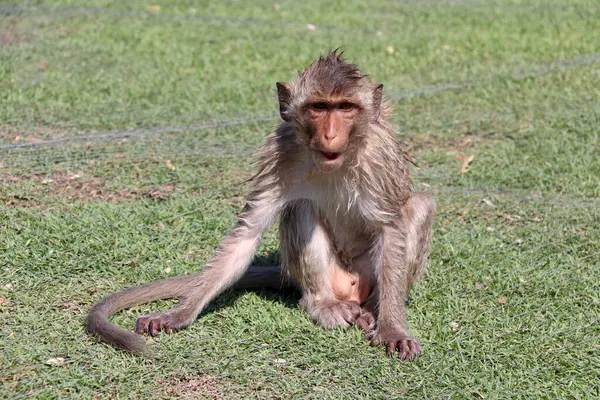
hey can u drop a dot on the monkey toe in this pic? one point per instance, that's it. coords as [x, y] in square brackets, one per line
[353, 311]
[366, 322]
[407, 347]
[349, 311]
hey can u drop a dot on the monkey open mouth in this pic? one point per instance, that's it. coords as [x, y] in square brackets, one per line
[330, 155]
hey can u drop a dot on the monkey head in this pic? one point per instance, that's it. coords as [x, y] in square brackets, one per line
[330, 102]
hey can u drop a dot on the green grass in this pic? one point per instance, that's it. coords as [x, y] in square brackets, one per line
[510, 306]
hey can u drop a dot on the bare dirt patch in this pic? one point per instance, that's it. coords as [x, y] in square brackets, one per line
[462, 136]
[161, 192]
[455, 145]
[203, 387]
[15, 135]
[79, 186]
[8, 37]
[11, 34]
[73, 307]
[34, 190]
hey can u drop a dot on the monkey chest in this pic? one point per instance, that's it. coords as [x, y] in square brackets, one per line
[350, 234]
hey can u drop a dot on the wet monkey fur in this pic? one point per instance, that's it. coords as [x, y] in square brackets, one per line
[354, 237]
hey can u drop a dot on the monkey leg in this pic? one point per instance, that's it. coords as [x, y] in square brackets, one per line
[307, 255]
[402, 266]
[418, 215]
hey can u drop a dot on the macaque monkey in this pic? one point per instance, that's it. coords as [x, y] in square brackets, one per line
[354, 237]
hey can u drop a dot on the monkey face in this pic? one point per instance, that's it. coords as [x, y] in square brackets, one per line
[329, 102]
[330, 121]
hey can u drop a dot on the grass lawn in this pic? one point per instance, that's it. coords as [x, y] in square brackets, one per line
[127, 130]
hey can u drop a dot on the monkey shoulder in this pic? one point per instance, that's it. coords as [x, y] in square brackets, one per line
[278, 152]
[385, 182]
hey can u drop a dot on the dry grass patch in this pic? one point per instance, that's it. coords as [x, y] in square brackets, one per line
[185, 387]
[37, 189]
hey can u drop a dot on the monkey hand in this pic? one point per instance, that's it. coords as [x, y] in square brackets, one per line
[395, 339]
[168, 322]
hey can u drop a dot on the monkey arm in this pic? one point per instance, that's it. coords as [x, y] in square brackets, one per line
[234, 254]
[229, 263]
[227, 266]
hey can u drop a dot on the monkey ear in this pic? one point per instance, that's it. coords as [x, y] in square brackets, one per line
[377, 97]
[285, 98]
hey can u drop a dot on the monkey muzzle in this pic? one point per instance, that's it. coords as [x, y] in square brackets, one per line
[328, 161]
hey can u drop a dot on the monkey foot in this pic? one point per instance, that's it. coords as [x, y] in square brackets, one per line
[408, 348]
[153, 324]
[334, 313]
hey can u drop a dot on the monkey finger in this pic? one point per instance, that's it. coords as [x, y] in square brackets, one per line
[155, 326]
[368, 317]
[362, 324]
[141, 325]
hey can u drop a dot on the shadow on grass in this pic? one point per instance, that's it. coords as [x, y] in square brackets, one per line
[265, 279]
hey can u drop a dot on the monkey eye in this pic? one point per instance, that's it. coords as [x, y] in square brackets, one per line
[319, 106]
[346, 106]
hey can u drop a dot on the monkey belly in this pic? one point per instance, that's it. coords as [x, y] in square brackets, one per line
[348, 286]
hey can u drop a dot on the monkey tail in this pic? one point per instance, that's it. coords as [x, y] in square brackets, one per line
[99, 325]
[98, 319]
[263, 278]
